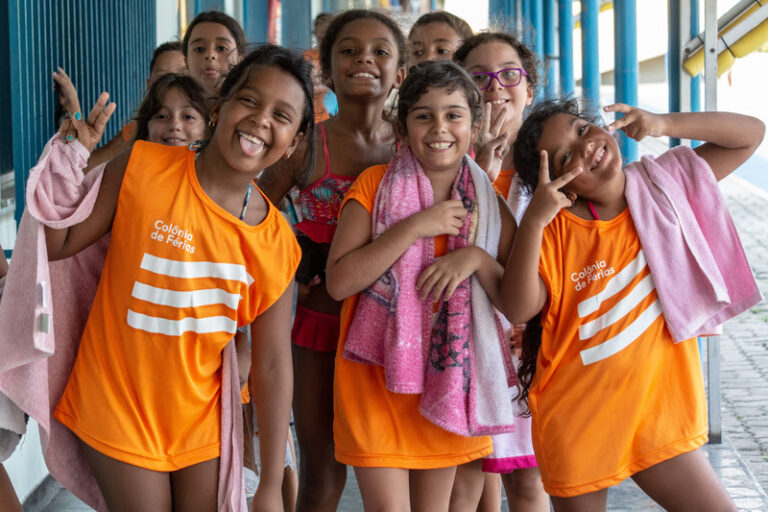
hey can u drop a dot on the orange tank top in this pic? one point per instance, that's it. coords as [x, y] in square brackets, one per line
[180, 276]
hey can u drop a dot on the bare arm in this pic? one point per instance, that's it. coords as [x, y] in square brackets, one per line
[277, 180]
[730, 138]
[523, 293]
[355, 262]
[108, 151]
[243, 357]
[62, 243]
[272, 392]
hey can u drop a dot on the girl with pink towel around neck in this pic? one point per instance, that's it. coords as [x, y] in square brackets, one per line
[422, 368]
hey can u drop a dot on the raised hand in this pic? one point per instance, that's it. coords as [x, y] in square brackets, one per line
[548, 198]
[447, 272]
[491, 145]
[89, 131]
[445, 218]
[636, 122]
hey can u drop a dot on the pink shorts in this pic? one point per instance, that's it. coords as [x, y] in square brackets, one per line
[315, 330]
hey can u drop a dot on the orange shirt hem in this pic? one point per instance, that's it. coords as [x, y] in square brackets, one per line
[406, 462]
[152, 463]
[673, 450]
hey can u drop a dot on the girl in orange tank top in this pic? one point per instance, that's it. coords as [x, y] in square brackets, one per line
[362, 55]
[611, 393]
[196, 252]
[402, 459]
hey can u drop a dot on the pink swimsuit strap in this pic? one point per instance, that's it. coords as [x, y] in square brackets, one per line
[592, 210]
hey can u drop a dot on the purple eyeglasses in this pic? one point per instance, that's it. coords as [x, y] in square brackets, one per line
[508, 77]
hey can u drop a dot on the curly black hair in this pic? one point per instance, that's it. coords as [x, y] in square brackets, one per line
[530, 60]
[436, 74]
[525, 149]
[346, 17]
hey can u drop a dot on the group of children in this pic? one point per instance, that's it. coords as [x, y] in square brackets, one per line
[477, 281]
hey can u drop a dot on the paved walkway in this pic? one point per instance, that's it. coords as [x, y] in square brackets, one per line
[741, 460]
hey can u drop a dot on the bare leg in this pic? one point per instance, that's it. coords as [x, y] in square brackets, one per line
[129, 488]
[195, 488]
[685, 482]
[8, 499]
[467, 486]
[430, 489]
[592, 502]
[384, 489]
[525, 493]
[490, 501]
[321, 477]
[290, 480]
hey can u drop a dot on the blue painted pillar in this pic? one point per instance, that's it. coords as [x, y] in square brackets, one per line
[625, 66]
[674, 66]
[296, 24]
[536, 10]
[525, 13]
[550, 51]
[208, 5]
[565, 25]
[696, 80]
[256, 20]
[590, 56]
[433, 5]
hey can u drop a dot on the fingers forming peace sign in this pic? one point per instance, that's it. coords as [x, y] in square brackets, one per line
[548, 198]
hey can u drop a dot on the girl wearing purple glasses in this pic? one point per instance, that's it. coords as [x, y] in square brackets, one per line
[506, 71]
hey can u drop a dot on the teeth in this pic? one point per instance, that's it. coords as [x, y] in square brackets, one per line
[363, 75]
[599, 158]
[497, 102]
[251, 138]
[439, 145]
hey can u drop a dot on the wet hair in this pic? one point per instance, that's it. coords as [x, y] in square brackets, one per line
[525, 149]
[153, 100]
[440, 74]
[457, 24]
[289, 61]
[346, 17]
[170, 46]
[227, 21]
[528, 57]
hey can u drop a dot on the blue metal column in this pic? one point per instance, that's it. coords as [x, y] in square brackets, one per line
[208, 5]
[590, 61]
[673, 60]
[433, 5]
[565, 33]
[695, 81]
[550, 51]
[625, 66]
[256, 20]
[296, 23]
[536, 11]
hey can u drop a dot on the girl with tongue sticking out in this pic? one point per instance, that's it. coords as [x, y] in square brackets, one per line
[145, 393]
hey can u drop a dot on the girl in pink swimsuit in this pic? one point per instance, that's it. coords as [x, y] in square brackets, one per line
[362, 56]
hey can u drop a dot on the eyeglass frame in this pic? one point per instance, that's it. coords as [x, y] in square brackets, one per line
[495, 74]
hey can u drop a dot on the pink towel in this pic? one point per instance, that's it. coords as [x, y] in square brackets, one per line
[692, 247]
[459, 373]
[45, 307]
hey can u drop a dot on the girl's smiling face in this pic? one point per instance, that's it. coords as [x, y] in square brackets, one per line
[364, 59]
[177, 123]
[439, 129]
[211, 53]
[259, 124]
[494, 56]
[436, 40]
[571, 143]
